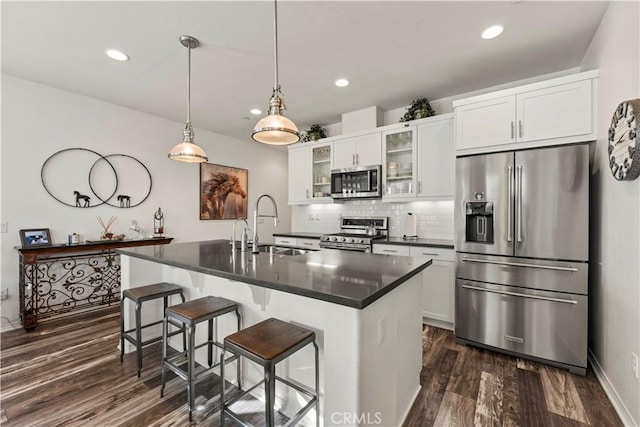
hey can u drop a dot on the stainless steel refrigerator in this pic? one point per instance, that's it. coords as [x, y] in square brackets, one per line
[521, 239]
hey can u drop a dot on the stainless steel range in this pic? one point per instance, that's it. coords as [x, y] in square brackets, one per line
[357, 234]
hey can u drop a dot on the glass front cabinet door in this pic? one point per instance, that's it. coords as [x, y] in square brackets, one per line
[399, 163]
[321, 158]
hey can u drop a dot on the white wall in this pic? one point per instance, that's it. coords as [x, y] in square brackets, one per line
[38, 121]
[614, 327]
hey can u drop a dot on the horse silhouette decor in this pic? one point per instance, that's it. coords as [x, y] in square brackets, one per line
[125, 201]
[223, 192]
[82, 201]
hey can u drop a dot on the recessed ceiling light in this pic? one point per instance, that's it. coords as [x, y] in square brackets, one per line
[116, 54]
[342, 82]
[492, 32]
[256, 112]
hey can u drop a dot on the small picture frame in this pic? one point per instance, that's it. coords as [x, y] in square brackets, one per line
[35, 237]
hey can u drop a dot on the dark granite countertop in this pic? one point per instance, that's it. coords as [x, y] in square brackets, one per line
[434, 243]
[300, 234]
[352, 279]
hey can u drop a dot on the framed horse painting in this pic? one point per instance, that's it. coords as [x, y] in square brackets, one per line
[223, 192]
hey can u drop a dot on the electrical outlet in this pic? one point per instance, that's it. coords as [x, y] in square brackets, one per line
[4, 294]
[634, 364]
[4, 227]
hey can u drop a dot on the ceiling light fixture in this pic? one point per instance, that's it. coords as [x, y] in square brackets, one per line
[342, 82]
[275, 128]
[492, 32]
[116, 54]
[187, 150]
[256, 111]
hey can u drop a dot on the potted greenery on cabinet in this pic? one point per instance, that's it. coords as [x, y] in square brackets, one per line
[419, 109]
[314, 133]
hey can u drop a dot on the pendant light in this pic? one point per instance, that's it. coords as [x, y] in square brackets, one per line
[275, 128]
[187, 150]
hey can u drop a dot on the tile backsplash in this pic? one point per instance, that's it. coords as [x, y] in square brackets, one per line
[434, 219]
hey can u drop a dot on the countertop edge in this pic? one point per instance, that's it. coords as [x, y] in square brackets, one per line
[284, 288]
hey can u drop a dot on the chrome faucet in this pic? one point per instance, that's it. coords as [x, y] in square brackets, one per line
[255, 249]
[243, 241]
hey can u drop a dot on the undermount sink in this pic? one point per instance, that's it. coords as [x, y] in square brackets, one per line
[282, 250]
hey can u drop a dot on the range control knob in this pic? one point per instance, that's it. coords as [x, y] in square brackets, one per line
[340, 239]
[350, 240]
[361, 241]
[331, 238]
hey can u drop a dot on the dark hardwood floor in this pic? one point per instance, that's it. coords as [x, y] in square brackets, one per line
[464, 386]
[67, 373]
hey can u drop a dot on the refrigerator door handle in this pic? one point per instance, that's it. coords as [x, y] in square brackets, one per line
[519, 203]
[516, 294]
[521, 264]
[510, 205]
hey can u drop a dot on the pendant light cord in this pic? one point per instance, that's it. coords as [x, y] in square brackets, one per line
[276, 86]
[189, 84]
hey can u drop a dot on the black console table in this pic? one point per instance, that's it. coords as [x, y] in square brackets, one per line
[61, 279]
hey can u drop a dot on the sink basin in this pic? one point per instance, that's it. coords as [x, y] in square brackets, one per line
[291, 252]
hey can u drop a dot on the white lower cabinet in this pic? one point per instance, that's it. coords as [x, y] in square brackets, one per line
[383, 249]
[308, 243]
[298, 242]
[286, 241]
[438, 280]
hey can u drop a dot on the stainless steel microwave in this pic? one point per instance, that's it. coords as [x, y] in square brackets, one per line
[361, 182]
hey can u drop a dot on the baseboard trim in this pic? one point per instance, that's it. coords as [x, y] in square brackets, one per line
[438, 323]
[7, 326]
[610, 391]
[408, 410]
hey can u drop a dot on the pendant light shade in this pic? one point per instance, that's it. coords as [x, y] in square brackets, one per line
[187, 150]
[275, 128]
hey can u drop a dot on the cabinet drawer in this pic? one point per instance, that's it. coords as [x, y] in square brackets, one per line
[548, 325]
[309, 243]
[438, 254]
[391, 250]
[287, 241]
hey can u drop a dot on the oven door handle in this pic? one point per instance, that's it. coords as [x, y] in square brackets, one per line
[521, 264]
[516, 294]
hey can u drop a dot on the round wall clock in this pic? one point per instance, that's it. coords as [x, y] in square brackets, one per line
[624, 141]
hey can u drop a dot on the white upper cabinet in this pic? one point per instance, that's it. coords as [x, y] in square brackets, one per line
[361, 150]
[400, 162]
[300, 175]
[310, 173]
[485, 123]
[436, 158]
[321, 168]
[557, 111]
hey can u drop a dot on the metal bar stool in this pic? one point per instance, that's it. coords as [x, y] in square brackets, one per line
[268, 343]
[138, 296]
[190, 314]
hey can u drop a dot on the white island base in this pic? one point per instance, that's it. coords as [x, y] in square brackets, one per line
[370, 359]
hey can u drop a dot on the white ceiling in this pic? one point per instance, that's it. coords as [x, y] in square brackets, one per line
[391, 51]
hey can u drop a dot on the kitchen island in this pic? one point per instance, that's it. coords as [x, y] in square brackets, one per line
[365, 309]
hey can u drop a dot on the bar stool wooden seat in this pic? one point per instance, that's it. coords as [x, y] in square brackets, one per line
[138, 296]
[268, 343]
[190, 314]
